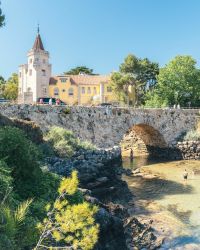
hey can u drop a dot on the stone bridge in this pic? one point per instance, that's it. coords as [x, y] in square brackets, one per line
[106, 127]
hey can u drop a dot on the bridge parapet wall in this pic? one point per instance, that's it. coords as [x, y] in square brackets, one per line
[104, 126]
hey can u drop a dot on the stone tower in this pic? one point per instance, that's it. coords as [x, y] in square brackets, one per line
[35, 75]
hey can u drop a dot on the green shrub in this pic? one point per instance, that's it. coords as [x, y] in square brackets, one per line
[67, 111]
[192, 135]
[21, 156]
[5, 181]
[86, 145]
[64, 142]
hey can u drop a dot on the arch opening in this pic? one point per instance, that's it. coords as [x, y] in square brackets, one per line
[143, 139]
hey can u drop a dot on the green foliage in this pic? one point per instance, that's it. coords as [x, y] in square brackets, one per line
[11, 88]
[78, 70]
[11, 225]
[86, 145]
[2, 86]
[2, 17]
[22, 156]
[178, 83]
[139, 73]
[67, 111]
[5, 181]
[192, 135]
[120, 83]
[70, 221]
[64, 142]
[21, 178]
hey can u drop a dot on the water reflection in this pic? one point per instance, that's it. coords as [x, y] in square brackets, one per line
[172, 203]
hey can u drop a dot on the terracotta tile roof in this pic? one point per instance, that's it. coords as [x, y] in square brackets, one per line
[38, 45]
[82, 79]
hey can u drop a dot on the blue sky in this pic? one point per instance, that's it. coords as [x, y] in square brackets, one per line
[99, 33]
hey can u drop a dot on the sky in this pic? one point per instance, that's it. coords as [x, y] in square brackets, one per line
[99, 33]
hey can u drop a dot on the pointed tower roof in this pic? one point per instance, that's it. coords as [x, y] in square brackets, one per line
[38, 45]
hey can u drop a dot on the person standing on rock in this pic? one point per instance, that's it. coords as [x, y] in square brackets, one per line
[131, 154]
[185, 175]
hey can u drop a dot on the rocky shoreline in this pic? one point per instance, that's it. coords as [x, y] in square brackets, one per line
[100, 174]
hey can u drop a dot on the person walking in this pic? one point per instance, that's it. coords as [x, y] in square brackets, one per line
[50, 101]
[57, 101]
[131, 154]
[41, 101]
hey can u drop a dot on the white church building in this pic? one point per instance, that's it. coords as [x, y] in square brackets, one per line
[34, 76]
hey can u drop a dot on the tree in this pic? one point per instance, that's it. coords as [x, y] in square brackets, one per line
[141, 73]
[11, 88]
[178, 83]
[2, 17]
[78, 70]
[2, 86]
[70, 220]
[121, 84]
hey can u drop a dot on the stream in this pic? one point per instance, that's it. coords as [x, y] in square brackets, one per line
[161, 195]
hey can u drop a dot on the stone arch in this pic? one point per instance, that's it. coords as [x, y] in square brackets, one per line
[143, 139]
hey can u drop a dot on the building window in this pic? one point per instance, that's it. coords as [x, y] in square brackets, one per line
[89, 90]
[83, 90]
[29, 90]
[30, 72]
[71, 91]
[20, 74]
[109, 89]
[63, 79]
[63, 90]
[44, 61]
[37, 59]
[56, 92]
[43, 72]
[95, 90]
[31, 60]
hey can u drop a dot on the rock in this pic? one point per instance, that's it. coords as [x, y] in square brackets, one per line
[136, 171]
[81, 157]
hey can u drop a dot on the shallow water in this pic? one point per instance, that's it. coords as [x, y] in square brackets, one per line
[172, 204]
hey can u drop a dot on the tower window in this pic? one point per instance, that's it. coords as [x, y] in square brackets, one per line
[95, 90]
[43, 72]
[20, 74]
[71, 91]
[31, 60]
[30, 72]
[44, 90]
[83, 90]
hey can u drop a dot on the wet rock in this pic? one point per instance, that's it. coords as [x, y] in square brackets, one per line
[140, 236]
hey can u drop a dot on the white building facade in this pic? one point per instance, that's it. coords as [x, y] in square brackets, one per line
[35, 75]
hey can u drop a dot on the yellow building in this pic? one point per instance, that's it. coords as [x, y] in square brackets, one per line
[82, 89]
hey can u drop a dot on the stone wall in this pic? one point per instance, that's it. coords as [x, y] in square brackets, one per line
[32, 130]
[105, 127]
[190, 150]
